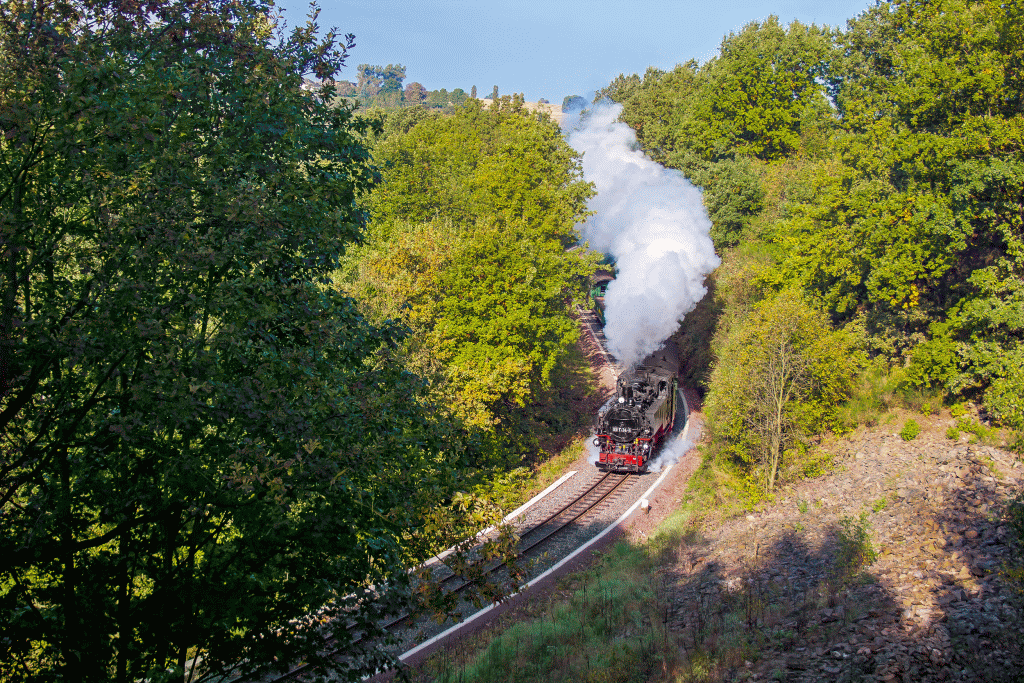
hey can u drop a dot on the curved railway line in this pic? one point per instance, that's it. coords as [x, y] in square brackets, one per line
[592, 500]
[588, 502]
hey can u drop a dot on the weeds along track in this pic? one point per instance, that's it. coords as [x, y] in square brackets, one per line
[591, 500]
[551, 518]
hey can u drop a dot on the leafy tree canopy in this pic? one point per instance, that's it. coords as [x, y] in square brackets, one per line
[782, 375]
[201, 441]
[917, 220]
[468, 244]
[878, 169]
[375, 79]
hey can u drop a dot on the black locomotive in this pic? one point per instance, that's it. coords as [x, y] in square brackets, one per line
[642, 414]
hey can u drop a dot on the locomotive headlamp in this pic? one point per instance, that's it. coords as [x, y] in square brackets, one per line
[622, 399]
[597, 442]
[647, 431]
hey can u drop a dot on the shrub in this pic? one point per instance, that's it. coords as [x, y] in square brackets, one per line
[910, 430]
[933, 363]
[853, 537]
[979, 432]
[1004, 399]
[873, 392]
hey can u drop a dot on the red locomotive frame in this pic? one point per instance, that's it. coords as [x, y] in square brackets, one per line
[632, 426]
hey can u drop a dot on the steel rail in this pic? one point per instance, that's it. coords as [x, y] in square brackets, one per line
[619, 480]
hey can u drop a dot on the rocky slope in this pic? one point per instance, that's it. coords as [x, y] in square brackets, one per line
[794, 592]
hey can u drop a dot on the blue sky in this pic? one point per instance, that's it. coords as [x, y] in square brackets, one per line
[546, 48]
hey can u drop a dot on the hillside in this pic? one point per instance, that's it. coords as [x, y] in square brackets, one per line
[552, 110]
[891, 567]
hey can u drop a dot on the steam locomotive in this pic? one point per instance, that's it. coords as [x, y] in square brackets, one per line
[641, 415]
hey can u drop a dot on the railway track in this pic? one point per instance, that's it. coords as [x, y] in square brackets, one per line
[590, 501]
[600, 492]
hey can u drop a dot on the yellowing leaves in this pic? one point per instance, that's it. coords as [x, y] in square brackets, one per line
[468, 247]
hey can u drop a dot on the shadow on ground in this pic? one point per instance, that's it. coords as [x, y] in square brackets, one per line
[813, 605]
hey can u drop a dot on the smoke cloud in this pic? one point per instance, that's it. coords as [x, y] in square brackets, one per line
[653, 222]
[674, 450]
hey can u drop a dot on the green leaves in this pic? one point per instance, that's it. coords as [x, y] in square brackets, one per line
[750, 99]
[917, 219]
[782, 374]
[468, 245]
[879, 171]
[202, 443]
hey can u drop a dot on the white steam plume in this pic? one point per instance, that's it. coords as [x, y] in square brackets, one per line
[652, 221]
[673, 451]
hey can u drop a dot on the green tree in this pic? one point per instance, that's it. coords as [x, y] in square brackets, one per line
[621, 89]
[472, 92]
[733, 196]
[763, 98]
[201, 442]
[751, 99]
[438, 99]
[375, 79]
[879, 170]
[758, 86]
[782, 373]
[468, 245]
[916, 220]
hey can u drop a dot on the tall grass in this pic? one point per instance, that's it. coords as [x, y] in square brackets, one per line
[875, 393]
[879, 390]
[612, 627]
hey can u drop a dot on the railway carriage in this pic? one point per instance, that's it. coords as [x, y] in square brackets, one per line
[641, 415]
[599, 282]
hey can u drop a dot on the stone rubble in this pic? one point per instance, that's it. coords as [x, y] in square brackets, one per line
[934, 605]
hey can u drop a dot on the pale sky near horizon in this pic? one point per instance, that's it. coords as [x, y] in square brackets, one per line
[546, 48]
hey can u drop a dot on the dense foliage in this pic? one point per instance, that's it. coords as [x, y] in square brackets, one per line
[781, 373]
[879, 170]
[202, 441]
[468, 246]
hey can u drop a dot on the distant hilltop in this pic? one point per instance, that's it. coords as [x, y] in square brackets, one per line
[554, 110]
[382, 86]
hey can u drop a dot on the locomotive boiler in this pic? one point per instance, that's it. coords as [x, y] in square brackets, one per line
[641, 415]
